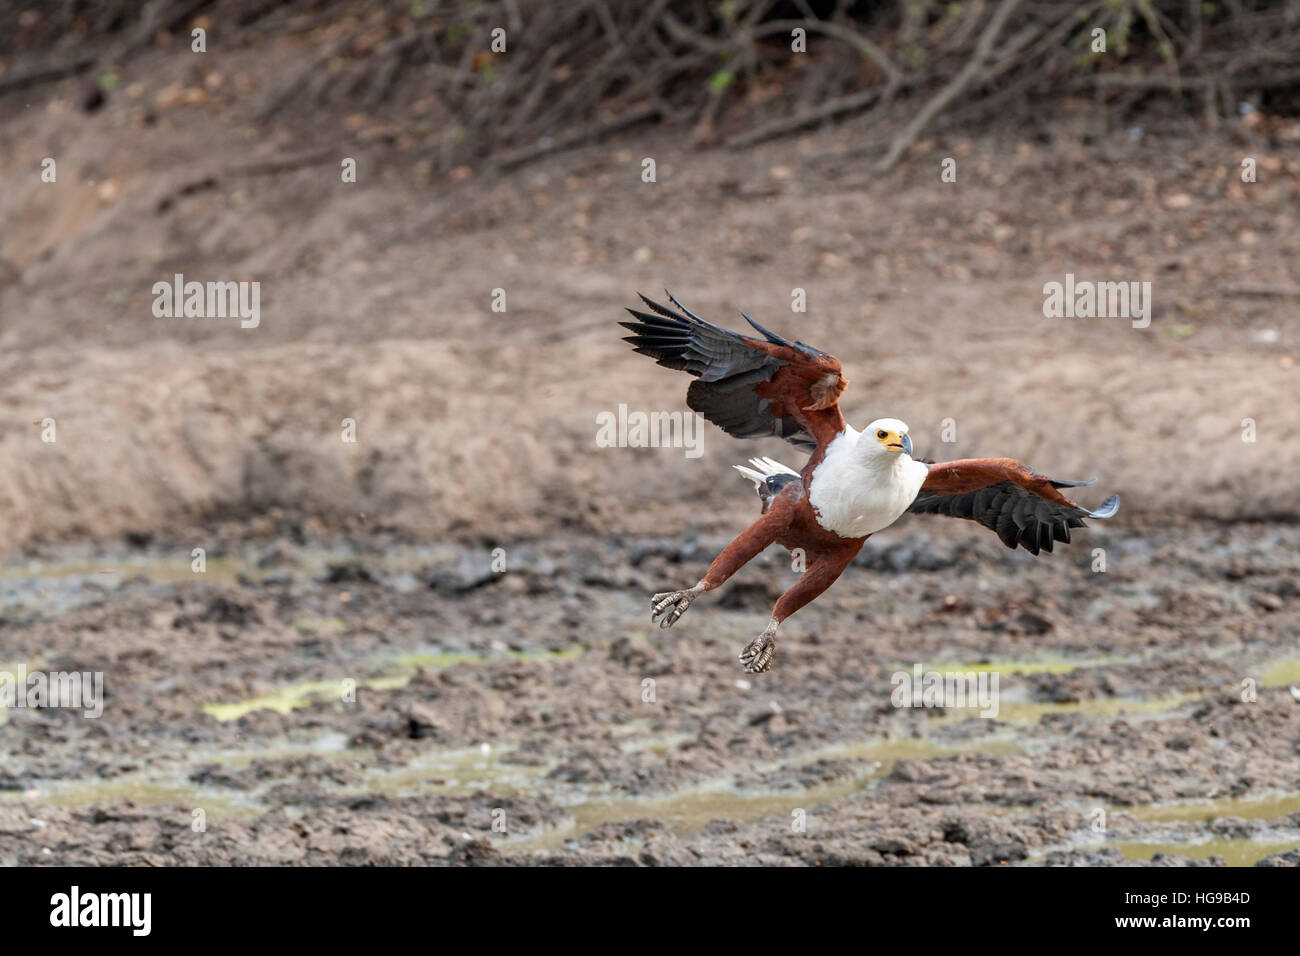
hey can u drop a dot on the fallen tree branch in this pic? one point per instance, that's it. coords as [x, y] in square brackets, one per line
[840, 32]
[555, 144]
[971, 73]
[839, 106]
[49, 74]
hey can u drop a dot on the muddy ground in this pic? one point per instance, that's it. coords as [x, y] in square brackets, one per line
[534, 716]
[351, 681]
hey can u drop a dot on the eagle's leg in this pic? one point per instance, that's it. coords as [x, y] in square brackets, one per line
[821, 574]
[747, 545]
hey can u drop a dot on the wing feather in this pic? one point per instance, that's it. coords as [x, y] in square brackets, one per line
[1023, 508]
[748, 387]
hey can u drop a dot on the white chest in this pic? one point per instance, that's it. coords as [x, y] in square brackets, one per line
[855, 495]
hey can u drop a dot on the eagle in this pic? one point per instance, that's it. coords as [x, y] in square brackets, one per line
[854, 483]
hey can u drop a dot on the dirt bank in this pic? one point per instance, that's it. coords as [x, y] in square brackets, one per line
[376, 305]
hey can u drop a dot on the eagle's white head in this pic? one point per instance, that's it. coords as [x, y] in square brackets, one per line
[885, 437]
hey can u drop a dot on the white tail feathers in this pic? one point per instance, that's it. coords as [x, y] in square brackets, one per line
[763, 469]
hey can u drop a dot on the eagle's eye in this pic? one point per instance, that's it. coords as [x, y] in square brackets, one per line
[882, 434]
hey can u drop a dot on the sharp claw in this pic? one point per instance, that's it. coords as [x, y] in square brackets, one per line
[757, 656]
[659, 603]
[667, 607]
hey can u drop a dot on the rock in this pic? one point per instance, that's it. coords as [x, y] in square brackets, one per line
[475, 853]
[1266, 601]
[349, 572]
[215, 775]
[997, 853]
[1173, 859]
[421, 721]
[895, 845]
[1285, 858]
[635, 654]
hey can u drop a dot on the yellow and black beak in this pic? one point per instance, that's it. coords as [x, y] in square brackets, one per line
[901, 443]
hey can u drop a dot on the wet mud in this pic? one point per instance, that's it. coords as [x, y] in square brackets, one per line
[374, 701]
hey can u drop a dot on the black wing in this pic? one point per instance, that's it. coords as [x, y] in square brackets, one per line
[1022, 507]
[731, 369]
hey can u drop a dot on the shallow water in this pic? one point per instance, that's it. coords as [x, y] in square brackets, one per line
[1283, 672]
[1249, 808]
[1014, 709]
[459, 772]
[171, 784]
[216, 803]
[1030, 712]
[1047, 664]
[401, 668]
[1244, 852]
[692, 808]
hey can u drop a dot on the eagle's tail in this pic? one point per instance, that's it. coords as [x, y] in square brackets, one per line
[764, 468]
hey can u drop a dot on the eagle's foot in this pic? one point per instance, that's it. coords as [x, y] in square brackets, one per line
[668, 606]
[757, 656]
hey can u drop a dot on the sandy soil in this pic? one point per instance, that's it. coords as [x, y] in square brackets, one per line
[522, 692]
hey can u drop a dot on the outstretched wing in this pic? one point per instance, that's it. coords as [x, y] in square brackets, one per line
[748, 387]
[1021, 506]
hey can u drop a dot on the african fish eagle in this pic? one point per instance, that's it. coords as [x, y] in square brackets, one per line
[855, 483]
